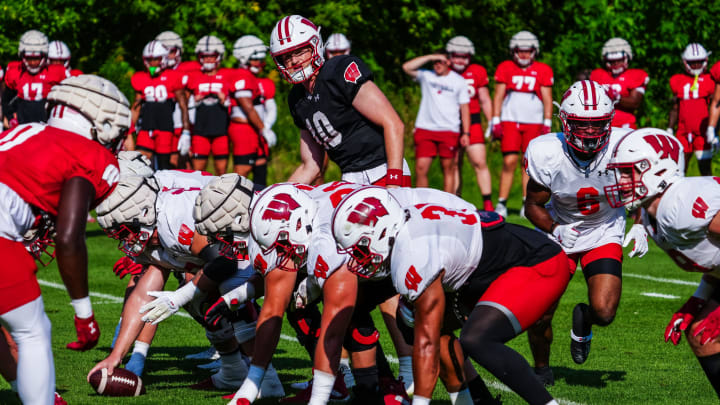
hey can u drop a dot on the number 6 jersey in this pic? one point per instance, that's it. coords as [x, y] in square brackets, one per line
[577, 194]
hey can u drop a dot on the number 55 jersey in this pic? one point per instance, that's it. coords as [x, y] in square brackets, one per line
[577, 189]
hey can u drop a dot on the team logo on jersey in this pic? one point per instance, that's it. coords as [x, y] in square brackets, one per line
[280, 207]
[260, 264]
[367, 212]
[663, 145]
[412, 279]
[699, 208]
[352, 73]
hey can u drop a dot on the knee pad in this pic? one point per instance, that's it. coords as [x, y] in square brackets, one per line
[225, 333]
[361, 338]
[603, 266]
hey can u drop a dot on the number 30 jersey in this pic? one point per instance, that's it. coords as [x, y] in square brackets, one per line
[577, 194]
[681, 224]
[352, 141]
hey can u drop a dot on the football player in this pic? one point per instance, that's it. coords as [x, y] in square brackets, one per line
[689, 112]
[626, 87]
[522, 107]
[461, 50]
[50, 177]
[337, 44]
[500, 278]
[251, 151]
[29, 81]
[680, 214]
[59, 54]
[338, 109]
[156, 91]
[567, 173]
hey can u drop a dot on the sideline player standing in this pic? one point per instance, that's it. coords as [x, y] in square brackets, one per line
[50, 177]
[567, 169]
[338, 109]
[626, 87]
[522, 107]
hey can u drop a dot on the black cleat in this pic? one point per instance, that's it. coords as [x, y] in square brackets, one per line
[545, 376]
[581, 333]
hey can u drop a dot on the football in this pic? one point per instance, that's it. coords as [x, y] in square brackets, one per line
[122, 383]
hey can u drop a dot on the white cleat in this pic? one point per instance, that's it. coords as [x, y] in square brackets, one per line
[501, 209]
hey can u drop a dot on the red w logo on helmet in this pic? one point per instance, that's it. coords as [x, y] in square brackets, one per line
[367, 212]
[666, 147]
[280, 207]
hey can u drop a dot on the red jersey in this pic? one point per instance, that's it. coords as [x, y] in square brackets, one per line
[36, 160]
[243, 82]
[476, 77]
[201, 84]
[35, 87]
[73, 72]
[185, 69]
[524, 80]
[158, 94]
[693, 99]
[631, 79]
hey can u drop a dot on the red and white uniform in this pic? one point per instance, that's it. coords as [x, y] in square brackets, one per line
[577, 194]
[32, 90]
[156, 114]
[73, 72]
[266, 91]
[476, 78]
[211, 116]
[246, 142]
[682, 219]
[693, 99]
[184, 69]
[523, 100]
[631, 79]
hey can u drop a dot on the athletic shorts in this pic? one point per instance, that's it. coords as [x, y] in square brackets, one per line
[202, 146]
[245, 143]
[155, 141]
[476, 130]
[434, 143]
[609, 251]
[517, 136]
[692, 141]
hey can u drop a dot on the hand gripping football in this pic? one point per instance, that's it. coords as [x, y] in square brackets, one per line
[122, 383]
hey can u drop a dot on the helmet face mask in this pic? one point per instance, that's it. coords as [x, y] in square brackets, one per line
[230, 247]
[288, 40]
[364, 263]
[629, 188]
[133, 238]
[459, 61]
[524, 56]
[695, 59]
[586, 113]
[616, 53]
[587, 136]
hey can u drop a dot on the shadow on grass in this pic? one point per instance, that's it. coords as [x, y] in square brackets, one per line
[588, 378]
[8, 397]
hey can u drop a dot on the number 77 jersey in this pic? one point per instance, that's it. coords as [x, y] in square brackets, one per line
[577, 194]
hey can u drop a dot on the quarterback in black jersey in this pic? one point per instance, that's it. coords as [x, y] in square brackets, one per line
[338, 109]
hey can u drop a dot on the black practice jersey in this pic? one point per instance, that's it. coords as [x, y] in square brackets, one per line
[351, 140]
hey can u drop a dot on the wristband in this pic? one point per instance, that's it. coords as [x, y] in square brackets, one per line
[185, 132]
[547, 122]
[394, 177]
[83, 307]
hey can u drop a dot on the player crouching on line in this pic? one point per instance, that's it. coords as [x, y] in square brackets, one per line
[506, 276]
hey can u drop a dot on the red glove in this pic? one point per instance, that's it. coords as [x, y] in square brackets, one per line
[125, 266]
[496, 129]
[683, 318]
[88, 334]
[12, 123]
[709, 327]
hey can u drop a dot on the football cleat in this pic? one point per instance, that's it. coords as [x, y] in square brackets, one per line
[59, 400]
[501, 210]
[579, 342]
[488, 206]
[213, 365]
[393, 391]
[339, 393]
[210, 354]
[271, 387]
[545, 376]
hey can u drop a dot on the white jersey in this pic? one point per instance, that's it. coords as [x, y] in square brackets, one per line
[682, 219]
[16, 216]
[577, 194]
[441, 100]
[182, 179]
[431, 241]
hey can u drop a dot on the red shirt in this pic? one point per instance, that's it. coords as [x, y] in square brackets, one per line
[159, 88]
[476, 77]
[185, 69]
[525, 80]
[242, 82]
[692, 101]
[35, 87]
[628, 80]
[36, 160]
[73, 72]
[201, 84]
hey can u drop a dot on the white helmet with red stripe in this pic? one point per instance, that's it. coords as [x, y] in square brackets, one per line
[291, 34]
[524, 41]
[210, 45]
[247, 48]
[337, 44]
[33, 45]
[155, 50]
[586, 112]
[58, 50]
[695, 59]
[617, 53]
[174, 44]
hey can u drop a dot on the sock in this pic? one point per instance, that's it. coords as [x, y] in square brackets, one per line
[405, 370]
[502, 201]
[136, 364]
[383, 367]
[711, 367]
[117, 332]
[461, 398]
[345, 361]
[141, 348]
[487, 197]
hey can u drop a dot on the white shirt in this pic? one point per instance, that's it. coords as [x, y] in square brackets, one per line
[441, 100]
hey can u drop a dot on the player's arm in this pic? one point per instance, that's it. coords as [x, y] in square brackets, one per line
[373, 105]
[486, 103]
[339, 296]
[270, 112]
[279, 286]
[535, 211]
[412, 66]
[714, 107]
[182, 101]
[135, 107]
[673, 115]
[500, 90]
[429, 310]
[546, 93]
[465, 123]
[630, 103]
[246, 105]
[312, 155]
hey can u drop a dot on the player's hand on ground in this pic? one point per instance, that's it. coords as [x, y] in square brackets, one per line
[88, 334]
[638, 234]
[682, 319]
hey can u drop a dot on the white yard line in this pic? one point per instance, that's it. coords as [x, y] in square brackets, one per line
[658, 295]
[661, 280]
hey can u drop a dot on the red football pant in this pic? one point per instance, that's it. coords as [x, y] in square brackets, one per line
[218, 145]
[517, 136]
[434, 143]
[159, 142]
[18, 284]
[245, 142]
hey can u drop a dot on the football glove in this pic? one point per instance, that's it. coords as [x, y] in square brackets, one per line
[168, 302]
[269, 136]
[305, 293]
[88, 334]
[229, 302]
[184, 142]
[567, 235]
[547, 126]
[709, 327]
[496, 128]
[683, 318]
[125, 266]
[639, 235]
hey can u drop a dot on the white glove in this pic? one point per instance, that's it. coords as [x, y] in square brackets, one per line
[269, 136]
[184, 142]
[307, 291]
[639, 235]
[168, 302]
[670, 131]
[234, 299]
[567, 235]
[488, 133]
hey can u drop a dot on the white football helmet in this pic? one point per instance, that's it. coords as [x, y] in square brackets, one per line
[154, 50]
[292, 33]
[281, 219]
[247, 48]
[33, 44]
[173, 43]
[100, 101]
[222, 213]
[586, 112]
[134, 163]
[616, 54]
[128, 213]
[460, 46]
[207, 46]
[337, 44]
[524, 41]
[646, 161]
[697, 55]
[365, 225]
[58, 50]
